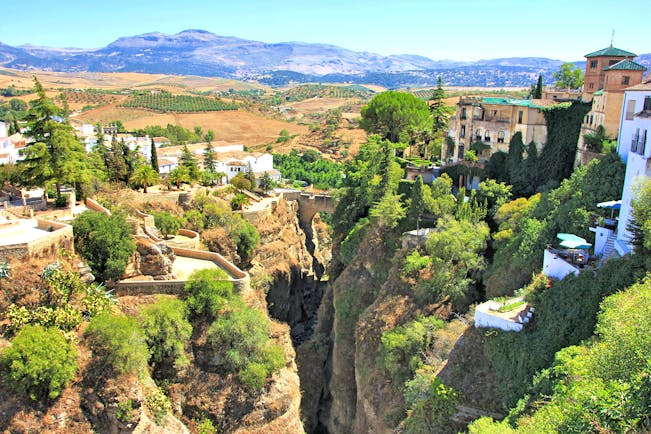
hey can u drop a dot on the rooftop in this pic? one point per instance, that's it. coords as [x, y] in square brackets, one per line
[532, 103]
[642, 86]
[626, 65]
[611, 52]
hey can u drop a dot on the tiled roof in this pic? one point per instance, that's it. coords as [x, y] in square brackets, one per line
[599, 92]
[627, 65]
[642, 86]
[611, 52]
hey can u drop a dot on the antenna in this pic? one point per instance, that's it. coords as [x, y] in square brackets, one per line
[612, 37]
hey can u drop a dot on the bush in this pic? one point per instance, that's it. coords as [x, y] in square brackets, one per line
[246, 238]
[431, 413]
[119, 342]
[167, 223]
[105, 242]
[61, 201]
[253, 376]
[158, 404]
[39, 363]
[351, 242]
[166, 331]
[402, 347]
[205, 426]
[208, 291]
[241, 336]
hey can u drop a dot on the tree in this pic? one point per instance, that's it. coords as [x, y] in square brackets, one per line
[390, 114]
[39, 363]
[167, 223]
[118, 342]
[440, 111]
[145, 176]
[188, 161]
[388, 211]
[105, 242]
[283, 136]
[266, 183]
[179, 175]
[640, 225]
[55, 155]
[153, 158]
[416, 204]
[209, 291]
[568, 76]
[241, 182]
[538, 90]
[239, 201]
[17, 105]
[167, 330]
[209, 155]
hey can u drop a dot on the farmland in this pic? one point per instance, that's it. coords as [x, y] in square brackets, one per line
[166, 102]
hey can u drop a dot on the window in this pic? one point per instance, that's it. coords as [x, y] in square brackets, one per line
[460, 152]
[478, 135]
[612, 62]
[500, 137]
[647, 103]
[520, 115]
[594, 63]
[626, 80]
[463, 112]
[590, 85]
[462, 133]
[630, 109]
[487, 137]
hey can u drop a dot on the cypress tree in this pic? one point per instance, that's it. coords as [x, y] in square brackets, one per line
[154, 156]
[537, 94]
[417, 204]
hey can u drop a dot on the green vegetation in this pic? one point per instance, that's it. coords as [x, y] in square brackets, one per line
[118, 343]
[105, 242]
[391, 114]
[145, 175]
[527, 226]
[209, 292]
[176, 133]
[402, 347]
[511, 306]
[307, 91]
[39, 363]
[167, 223]
[568, 76]
[431, 412]
[601, 383]
[167, 330]
[309, 167]
[241, 336]
[166, 102]
[158, 405]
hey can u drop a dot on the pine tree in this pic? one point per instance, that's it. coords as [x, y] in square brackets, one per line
[417, 204]
[154, 157]
[209, 157]
[440, 111]
[188, 161]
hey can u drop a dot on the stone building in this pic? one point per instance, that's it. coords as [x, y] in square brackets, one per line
[486, 125]
[611, 70]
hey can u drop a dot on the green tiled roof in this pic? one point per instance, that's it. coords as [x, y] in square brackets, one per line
[627, 65]
[510, 101]
[611, 51]
[599, 92]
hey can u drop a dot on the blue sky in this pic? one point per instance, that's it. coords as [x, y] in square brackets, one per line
[439, 29]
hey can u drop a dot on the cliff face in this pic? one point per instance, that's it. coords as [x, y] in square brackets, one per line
[284, 263]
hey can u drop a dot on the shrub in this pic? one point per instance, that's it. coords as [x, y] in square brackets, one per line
[61, 201]
[414, 262]
[205, 426]
[431, 413]
[240, 336]
[208, 291]
[246, 238]
[166, 331]
[39, 363]
[119, 342]
[105, 242]
[253, 376]
[351, 242]
[402, 347]
[167, 223]
[158, 404]
[124, 410]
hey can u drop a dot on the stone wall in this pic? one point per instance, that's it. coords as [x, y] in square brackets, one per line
[93, 205]
[59, 237]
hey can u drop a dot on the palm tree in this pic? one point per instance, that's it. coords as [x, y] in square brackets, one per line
[145, 175]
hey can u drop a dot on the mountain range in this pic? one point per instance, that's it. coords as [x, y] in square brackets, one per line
[198, 52]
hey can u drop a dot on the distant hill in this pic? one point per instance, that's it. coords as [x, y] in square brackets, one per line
[197, 52]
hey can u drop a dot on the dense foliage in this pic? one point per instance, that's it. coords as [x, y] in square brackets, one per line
[118, 343]
[166, 102]
[39, 363]
[209, 292]
[307, 91]
[391, 114]
[167, 330]
[527, 227]
[309, 167]
[105, 242]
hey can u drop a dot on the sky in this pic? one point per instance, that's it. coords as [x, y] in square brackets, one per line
[438, 29]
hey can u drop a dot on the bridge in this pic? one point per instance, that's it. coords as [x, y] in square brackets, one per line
[309, 204]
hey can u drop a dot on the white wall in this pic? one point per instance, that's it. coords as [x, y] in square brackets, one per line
[555, 266]
[483, 318]
[637, 165]
[3, 129]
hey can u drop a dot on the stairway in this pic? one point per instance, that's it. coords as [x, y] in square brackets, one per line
[609, 249]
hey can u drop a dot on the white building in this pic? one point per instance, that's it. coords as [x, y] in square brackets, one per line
[635, 150]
